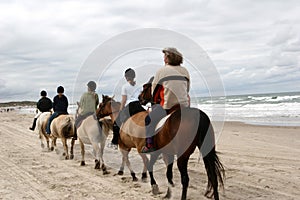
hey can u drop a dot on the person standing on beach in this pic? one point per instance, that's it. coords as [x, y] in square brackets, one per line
[170, 89]
[129, 104]
[43, 105]
[60, 106]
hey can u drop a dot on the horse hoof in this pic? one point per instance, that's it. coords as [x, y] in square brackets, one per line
[155, 189]
[106, 172]
[135, 179]
[52, 148]
[97, 165]
[43, 146]
[169, 194]
[71, 156]
[144, 179]
[64, 154]
[144, 176]
[120, 173]
[67, 157]
[82, 163]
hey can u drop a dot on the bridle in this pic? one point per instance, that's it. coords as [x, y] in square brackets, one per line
[102, 107]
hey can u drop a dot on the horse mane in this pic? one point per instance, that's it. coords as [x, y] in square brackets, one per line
[107, 125]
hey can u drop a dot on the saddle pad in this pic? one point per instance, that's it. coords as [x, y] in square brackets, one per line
[161, 122]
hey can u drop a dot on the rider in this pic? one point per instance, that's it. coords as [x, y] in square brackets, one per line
[170, 88]
[129, 103]
[88, 102]
[43, 105]
[60, 106]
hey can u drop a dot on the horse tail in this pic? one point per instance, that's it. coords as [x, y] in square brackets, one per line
[67, 127]
[214, 168]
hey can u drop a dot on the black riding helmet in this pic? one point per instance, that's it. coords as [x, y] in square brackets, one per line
[92, 85]
[43, 93]
[130, 73]
[60, 89]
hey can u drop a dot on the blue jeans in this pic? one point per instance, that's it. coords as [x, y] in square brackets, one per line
[55, 114]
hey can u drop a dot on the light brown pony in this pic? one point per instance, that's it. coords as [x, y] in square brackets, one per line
[41, 125]
[129, 138]
[94, 132]
[63, 127]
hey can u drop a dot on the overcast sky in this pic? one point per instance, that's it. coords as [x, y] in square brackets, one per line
[254, 45]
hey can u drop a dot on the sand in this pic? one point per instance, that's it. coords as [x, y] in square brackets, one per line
[262, 162]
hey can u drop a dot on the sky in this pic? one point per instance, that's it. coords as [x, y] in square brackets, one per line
[253, 44]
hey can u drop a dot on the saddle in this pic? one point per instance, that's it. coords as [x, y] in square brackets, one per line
[80, 118]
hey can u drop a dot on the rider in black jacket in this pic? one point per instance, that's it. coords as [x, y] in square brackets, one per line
[60, 106]
[43, 105]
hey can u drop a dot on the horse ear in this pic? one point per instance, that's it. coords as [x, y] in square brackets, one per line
[77, 103]
[151, 79]
[102, 96]
[113, 97]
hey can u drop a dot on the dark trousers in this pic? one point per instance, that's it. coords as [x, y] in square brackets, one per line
[129, 110]
[55, 114]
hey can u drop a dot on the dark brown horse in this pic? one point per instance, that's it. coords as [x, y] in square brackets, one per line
[183, 131]
[186, 129]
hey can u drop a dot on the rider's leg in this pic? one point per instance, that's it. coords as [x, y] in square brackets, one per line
[151, 121]
[48, 131]
[33, 124]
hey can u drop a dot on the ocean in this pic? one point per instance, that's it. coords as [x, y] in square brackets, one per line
[275, 109]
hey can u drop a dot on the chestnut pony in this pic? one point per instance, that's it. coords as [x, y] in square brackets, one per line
[132, 133]
[185, 129]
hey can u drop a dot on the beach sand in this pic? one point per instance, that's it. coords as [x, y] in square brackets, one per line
[261, 162]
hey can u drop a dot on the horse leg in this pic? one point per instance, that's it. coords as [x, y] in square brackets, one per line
[169, 159]
[125, 157]
[72, 149]
[96, 151]
[182, 163]
[66, 153]
[41, 138]
[53, 144]
[145, 161]
[121, 170]
[103, 167]
[82, 152]
[153, 158]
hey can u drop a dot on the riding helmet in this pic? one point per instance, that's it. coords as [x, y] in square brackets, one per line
[43, 93]
[60, 89]
[130, 73]
[92, 85]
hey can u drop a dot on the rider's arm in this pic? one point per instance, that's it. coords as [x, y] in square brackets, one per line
[123, 101]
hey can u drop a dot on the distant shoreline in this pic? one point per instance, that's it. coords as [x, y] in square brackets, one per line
[18, 103]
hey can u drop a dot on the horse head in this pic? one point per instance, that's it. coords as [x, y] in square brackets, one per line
[146, 94]
[106, 106]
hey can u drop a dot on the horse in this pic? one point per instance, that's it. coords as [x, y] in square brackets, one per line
[41, 125]
[94, 132]
[185, 129]
[127, 140]
[63, 127]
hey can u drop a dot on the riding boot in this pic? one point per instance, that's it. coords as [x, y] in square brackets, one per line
[33, 124]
